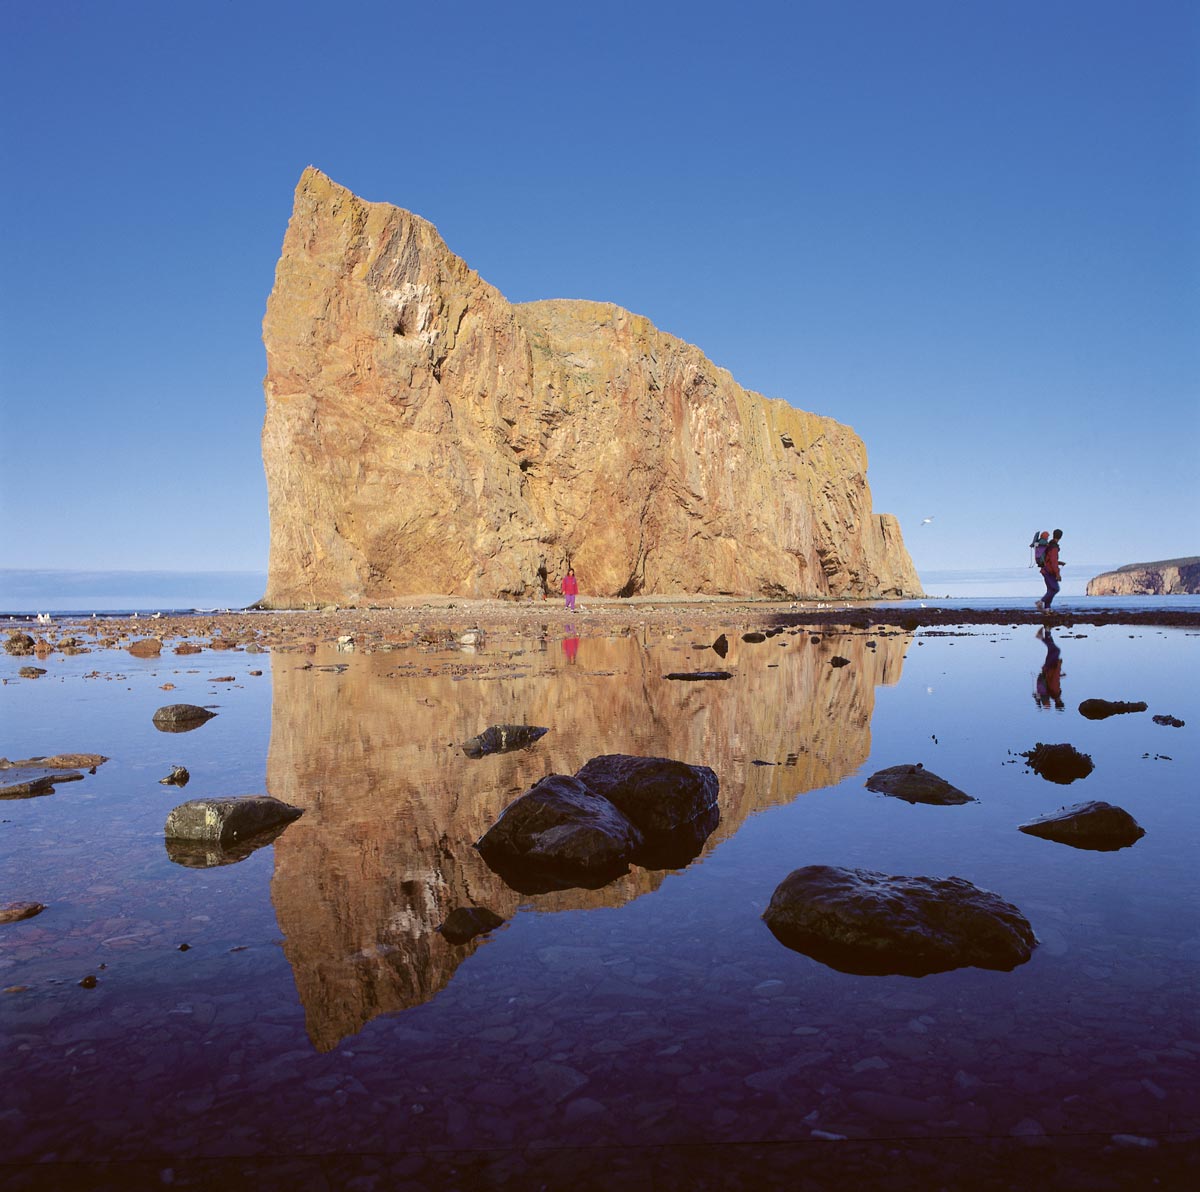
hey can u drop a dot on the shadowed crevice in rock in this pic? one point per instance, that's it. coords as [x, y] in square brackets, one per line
[874, 924]
[1096, 825]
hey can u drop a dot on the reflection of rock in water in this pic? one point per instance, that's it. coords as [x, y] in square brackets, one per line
[208, 854]
[384, 851]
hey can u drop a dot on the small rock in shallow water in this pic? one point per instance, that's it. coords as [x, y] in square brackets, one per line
[1058, 763]
[31, 672]
[464, 923]
[503, 738]
[14, 912]
[915, 784]
[181, 718]
[1096, 825]
[1101, 709]
[224, 820]
[1169, 721]
[178, 776]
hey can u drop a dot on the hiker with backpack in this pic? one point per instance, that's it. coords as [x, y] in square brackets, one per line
[1050, 566]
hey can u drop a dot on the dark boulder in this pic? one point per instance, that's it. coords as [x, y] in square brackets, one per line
[558, 835]
[699, 676]
[181, 718]
[178, 776]
[721, 646]
[1169, 721]
[1095, 825]
[1101, 709]
[915, 784]
[503, 738]
[228, 819]
[837, 660]
[1059, 763]
[464, 923]
[657, 794]
[754, 636]
[860, 921]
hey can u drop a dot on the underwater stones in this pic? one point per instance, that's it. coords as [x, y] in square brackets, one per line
[699, 676]
[1058, 763]
[464, 923]
[915, 784]
[1096, 825]
[14, 912]
[181, 718]
[869, 923]
[1101, 709]
[557, 835]
[503, 738]
[228, 819]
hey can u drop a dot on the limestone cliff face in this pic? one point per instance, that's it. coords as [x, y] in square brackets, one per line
[1171, 577]
[425, 435]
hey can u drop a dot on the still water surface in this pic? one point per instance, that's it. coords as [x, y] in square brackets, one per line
[316, 1010]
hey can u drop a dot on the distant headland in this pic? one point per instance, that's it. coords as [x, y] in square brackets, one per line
[1170, 577]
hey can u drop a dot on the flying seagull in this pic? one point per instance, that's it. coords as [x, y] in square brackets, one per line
[926, 521]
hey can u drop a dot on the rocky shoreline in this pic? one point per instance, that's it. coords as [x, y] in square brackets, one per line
[430, 618]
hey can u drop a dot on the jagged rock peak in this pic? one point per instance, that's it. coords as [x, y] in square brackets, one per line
[424, 435]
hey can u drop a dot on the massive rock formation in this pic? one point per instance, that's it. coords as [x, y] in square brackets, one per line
[1171, 577]
[424, 435]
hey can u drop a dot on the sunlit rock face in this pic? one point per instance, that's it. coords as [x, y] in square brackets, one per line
[1171, 577]
[424, 435]
[384, 851]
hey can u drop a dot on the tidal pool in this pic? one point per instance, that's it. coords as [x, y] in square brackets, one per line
[297, 1008]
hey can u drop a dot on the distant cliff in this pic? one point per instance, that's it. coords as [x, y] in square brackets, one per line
[424, 435]
[1171, 577]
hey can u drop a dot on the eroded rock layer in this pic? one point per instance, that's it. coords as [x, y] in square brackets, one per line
[1171, 577]
[424, 435]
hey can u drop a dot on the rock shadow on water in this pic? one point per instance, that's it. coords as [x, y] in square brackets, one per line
[866, 923]
[211, 854]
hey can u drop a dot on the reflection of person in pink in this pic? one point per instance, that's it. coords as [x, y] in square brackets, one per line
[570, 587]
[571, 644]
[1048, 692]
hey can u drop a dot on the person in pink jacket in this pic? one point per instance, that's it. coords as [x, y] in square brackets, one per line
[570, 587]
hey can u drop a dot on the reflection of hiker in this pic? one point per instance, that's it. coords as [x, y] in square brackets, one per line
[571, 644]
[1049, 681]
[1051, 572]
[570, 587]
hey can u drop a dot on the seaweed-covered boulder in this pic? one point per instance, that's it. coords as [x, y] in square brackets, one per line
[503, 738]
[1101, 709]
[1095, 825]
[464, 923]
[228, 819]
[1059, 763]
[657, 794]
[181, 718]
[557, 835]
[860, 921]
[915, 784]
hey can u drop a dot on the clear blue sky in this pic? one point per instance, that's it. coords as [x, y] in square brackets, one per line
[968, 229]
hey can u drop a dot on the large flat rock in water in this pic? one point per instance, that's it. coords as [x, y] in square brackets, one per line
[1096, 825]
[226, 820]
[915, 784]
[860, 921]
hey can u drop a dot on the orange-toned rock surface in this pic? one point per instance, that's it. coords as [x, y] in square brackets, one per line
[423, 434]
